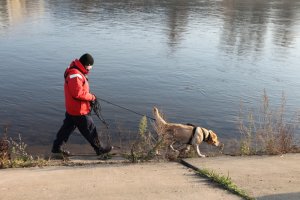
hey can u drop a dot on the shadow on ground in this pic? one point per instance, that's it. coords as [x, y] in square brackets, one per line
[289, 196]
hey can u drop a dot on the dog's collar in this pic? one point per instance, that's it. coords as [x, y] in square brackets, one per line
[205, 139]
[194, 131]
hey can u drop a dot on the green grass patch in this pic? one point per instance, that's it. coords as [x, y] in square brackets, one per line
[224, 181]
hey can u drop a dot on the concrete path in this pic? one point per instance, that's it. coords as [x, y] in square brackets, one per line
[108, 181]
[263, 177]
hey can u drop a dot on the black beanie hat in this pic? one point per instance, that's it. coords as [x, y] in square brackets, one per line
[86, 59]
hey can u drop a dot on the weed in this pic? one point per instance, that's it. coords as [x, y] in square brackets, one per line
[267, 131]
[4, 150]
[13, 154]
[19, 152]
[224, 181]
[145, 146]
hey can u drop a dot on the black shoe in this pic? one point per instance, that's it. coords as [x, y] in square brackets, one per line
[61, 152]
[102, 150]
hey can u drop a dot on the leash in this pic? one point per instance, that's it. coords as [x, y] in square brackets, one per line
[126, 108]
[96, 107]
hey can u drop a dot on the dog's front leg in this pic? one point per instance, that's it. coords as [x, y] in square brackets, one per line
[187, 149]
[198, 151]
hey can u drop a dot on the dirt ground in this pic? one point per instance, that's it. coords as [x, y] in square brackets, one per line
[264, 177]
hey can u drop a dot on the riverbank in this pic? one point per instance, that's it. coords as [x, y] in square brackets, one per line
[263, 177]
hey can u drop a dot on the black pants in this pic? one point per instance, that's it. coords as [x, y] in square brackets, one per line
[85, 125]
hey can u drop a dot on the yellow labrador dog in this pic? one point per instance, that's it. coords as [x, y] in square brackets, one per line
[188, 134]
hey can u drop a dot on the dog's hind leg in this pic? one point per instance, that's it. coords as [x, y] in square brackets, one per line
[171, 146]
[198, 151]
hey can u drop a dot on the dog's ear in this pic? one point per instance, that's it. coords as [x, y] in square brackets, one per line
[213, 138]
[155, 109]
[213, 135]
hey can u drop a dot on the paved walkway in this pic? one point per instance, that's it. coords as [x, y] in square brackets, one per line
[112, 181]
[264, 177]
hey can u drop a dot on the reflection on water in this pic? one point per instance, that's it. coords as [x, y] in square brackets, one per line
[177, 20]
[286, 28]
[245, 23]
[13, 12]
[195, 59]
[245, 27]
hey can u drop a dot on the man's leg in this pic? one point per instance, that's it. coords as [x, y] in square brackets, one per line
[63, 134]
[87, 128]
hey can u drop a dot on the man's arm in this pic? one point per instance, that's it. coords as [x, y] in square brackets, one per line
[77, 91]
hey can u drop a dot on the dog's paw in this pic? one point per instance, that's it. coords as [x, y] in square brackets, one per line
[176, 151]
[157, 153]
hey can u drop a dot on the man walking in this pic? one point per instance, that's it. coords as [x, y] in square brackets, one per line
[78, 109]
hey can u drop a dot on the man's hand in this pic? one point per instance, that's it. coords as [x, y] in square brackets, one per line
[94, 97]
[94, 102]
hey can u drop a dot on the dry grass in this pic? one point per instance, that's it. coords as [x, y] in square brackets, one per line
[4, 151]
[145, 146]
[267, 131]
[13, 154]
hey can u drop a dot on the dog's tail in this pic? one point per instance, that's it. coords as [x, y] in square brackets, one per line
[159, 121]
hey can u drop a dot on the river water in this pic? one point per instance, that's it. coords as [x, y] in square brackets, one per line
[198, 61]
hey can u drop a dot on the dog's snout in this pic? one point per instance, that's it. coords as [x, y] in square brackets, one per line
[221, 146]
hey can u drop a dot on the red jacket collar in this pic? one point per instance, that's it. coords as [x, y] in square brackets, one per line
[78, 64]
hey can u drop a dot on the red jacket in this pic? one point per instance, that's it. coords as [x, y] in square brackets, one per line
[77, 90]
